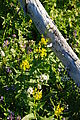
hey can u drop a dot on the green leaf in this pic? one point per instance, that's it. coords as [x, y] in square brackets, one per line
[44, 118]
[5, 114]
[28, 117]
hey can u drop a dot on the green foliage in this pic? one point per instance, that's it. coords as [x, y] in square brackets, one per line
[33, 82]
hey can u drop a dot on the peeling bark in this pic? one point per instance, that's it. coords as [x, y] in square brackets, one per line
[47, 27]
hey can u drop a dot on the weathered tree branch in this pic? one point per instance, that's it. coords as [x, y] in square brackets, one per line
[46, 26]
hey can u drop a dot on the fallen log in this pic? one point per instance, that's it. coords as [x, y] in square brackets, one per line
[47, 27]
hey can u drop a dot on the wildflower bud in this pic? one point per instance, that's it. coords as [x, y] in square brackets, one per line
[1, 98]
[14, 35]
[8, 70]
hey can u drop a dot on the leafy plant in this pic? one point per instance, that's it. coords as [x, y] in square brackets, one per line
[33, 82]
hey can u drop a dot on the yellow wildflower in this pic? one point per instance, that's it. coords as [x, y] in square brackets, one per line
[43, 41]
[25, 65]
[43, 52]
[30, 21]
[40, 43]
[58, 110]
[39, 49]
[36, 50]
[37, 94]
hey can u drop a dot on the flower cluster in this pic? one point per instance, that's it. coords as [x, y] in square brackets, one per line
[42, 52]
[43, 41]
[8, 70]
[37, 94]
[6, 43]
[58, 110]
[25, 65]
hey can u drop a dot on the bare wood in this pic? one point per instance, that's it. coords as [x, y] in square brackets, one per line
[46, 26]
